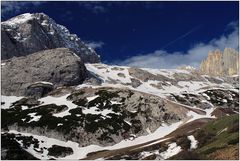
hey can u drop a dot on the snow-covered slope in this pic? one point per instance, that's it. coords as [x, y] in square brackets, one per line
[129, 100]
[161, 82]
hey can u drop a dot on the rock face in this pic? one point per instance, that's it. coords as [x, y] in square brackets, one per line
[221, 64]
[230, 62]
[29, 33]
[57, 66]
[101, 116]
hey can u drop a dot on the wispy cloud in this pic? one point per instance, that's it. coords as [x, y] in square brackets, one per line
[95, 45]
[193, 57]
[182, 36]
[15, 7]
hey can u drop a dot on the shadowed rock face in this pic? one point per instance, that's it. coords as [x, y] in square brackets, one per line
[221, 64]
[29, 33]
[58, 66]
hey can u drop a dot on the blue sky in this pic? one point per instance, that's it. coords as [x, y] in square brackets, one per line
[144, 34]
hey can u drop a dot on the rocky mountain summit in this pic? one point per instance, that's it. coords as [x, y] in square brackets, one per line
[29, 33]
[221, 64]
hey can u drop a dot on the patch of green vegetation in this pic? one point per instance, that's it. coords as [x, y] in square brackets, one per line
[21, 117]
[13, 150]
[27, 141]
[80, 102]
[187, 155]
[77, 110]
[221, 137]
[107, 94]
[222, 123]
[183, 141]
[59, 151]
[27, 101]
[218, 134]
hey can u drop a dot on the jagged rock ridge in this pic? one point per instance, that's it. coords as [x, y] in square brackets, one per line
[29, 33]
[221, 64]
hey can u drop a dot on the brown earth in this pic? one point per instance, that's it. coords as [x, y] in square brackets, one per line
[228, 153]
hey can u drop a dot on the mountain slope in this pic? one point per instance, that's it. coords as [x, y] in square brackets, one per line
[131, 113]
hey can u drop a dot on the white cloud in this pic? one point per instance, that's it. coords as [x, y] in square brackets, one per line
[14, 7]
[95, 45]
[193, 57]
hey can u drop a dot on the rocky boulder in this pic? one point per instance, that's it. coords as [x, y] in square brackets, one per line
[58, 67]
[39, 89]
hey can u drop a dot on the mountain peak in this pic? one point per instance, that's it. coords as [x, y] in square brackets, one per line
[18, 38]
[218, 63]
[25, 17]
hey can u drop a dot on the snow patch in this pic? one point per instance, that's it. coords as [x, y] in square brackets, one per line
[34, 117]
[59, 101]
[8, 100]
[92, 98]
[194, 142]
[96, 111]
[206, 96]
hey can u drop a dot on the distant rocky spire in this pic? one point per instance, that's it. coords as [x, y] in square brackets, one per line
[221, 64]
